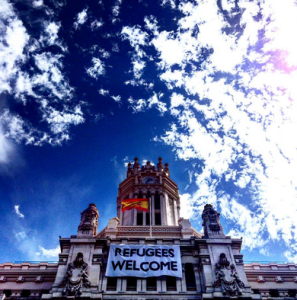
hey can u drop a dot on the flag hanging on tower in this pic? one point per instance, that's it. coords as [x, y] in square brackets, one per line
[137, 203]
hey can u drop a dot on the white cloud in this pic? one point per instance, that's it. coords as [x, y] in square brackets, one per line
[96, 24]
[60, 121]
[37, 3]
[49, 252]
[116, 98]
[17, 211]
[135, 35]
[137, 105]
[81, 18]
[97, 69]
[103, 92]
[155, 102]
[6, 147]
[12, 44]
[238, 119]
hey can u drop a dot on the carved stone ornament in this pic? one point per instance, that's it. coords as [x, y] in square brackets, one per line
[76, 277]
[227, 277]
[211, 221]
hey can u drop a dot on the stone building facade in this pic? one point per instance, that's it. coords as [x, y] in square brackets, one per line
[211, 263]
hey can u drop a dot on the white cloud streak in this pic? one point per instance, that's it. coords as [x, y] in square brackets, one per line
[17, 211]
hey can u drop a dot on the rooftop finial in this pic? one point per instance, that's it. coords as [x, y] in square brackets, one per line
[166, 170]
[160, 166]
[136, 165]
[129, 170]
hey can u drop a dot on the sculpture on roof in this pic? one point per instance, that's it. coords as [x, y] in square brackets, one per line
[211, 222]
[89, 221]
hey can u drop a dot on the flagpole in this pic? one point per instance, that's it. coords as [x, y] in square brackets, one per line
[150, 199]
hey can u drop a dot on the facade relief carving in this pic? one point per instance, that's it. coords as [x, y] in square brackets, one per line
[227, 277]
[76, 277]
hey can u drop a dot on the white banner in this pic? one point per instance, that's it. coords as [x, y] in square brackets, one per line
[144, 261]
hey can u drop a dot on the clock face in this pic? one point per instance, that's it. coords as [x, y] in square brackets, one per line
[148, 180]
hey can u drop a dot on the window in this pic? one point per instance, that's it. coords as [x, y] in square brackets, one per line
[157, 219]
[111, 284]
[25, 293]
[140, 195]
[274, 293]
[7, 293]
[147, 218]
[151, 284]
[292, 293]
[157, 201]
[256, 291]
[190, 277]
[43, 292]
[139, 218]
[170, 283]
[131, 283]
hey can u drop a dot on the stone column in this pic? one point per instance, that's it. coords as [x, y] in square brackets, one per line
[143, 284]
[121, 215]
[104, 282]
[138, 287]
[179, 284]
[163, 284]
[119, 284]
[124, 284]
[159, 284]
[183, 280]
[175, 215]
[153, 209]
[134, 212]
[197, 278]
[163, 200]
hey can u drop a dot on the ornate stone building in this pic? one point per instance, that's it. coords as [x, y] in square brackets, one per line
[211, 264]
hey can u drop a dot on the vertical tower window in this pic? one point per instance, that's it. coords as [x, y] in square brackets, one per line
[157, 209]
[157, 201]
[131, 283]
[151, 284]
[111, 284]
[170, 283]
[190, 277]
[139, 218]
[157, 219]
[147, 218]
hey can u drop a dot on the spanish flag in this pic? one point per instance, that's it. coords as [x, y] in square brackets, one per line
[139, 204]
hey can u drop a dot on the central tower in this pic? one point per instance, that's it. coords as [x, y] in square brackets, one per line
[161, 219]
[154, 183]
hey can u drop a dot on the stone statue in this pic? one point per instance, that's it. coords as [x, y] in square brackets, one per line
[89, 221]
[227, 277]
[211, 222]
[76, 277]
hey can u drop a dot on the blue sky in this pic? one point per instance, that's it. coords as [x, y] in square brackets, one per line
[86, 86]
